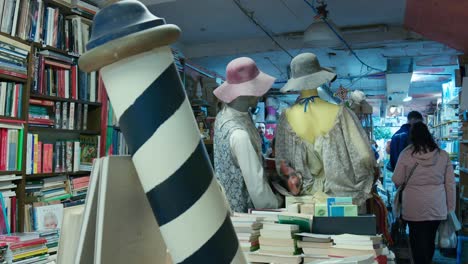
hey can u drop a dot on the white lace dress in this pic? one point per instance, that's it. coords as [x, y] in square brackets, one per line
[338, 163]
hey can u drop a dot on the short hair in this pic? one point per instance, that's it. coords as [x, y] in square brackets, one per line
[414, 115]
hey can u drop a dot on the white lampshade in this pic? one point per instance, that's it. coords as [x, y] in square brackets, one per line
[319, 33]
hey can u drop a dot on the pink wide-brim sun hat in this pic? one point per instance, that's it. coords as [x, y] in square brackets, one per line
[243, 79]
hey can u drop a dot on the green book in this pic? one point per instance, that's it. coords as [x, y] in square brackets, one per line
[9, 95]
[302, 220]
[58, 198]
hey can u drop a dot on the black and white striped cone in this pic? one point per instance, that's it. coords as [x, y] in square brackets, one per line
[157, 122]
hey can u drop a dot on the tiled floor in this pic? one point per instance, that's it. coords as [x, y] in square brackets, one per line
[438, 259]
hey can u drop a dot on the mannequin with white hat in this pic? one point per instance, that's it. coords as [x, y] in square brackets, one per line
[237, 144]
[320, 146]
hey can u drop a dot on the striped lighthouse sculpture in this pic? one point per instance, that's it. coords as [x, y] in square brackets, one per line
[129, 46]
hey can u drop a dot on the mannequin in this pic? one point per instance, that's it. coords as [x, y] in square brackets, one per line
[237, 145]
[320, 146]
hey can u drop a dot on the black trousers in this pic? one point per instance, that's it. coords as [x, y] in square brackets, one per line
[422, 240]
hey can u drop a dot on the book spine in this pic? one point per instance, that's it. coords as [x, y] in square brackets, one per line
[57, 157]
[69, 156]
[36, 153]
[85, 117]
[64, 115]
[71, 120]
[58, 121]
[39, 157]
[63, 156]
[29, 154]
[76, 156]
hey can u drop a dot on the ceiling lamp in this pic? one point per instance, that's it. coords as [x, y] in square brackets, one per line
[320, 33]
[407, 99]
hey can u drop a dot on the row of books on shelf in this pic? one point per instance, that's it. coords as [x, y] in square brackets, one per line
[58, 75]
[116, 144]
[36, 21]
[11, 147]
[13, 57]
[11, 104]
[67, 190]
[60, 115]
[8, 203]
[61, 156]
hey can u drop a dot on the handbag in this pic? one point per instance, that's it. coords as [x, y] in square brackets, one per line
[447, 231]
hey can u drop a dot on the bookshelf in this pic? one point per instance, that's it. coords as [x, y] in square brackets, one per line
[27, 78]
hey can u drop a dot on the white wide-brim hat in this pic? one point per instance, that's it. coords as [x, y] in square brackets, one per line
[306, 73]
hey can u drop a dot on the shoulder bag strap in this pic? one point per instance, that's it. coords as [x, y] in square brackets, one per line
[409, 176]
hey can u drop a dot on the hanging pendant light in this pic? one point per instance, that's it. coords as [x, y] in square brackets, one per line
[320, 33]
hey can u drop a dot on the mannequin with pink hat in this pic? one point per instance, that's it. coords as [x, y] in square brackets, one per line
[321, 147]
[237, 144]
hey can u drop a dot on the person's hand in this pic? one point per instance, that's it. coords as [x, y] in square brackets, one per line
[295, 183]
[285, 169]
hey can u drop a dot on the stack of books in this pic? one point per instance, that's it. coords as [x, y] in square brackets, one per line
[52, 239]
[278, 239]
[13, 58]
[79, 186]
[247, 230]
[324, 247]
[55, 189]
[369, 259]
[355, 245]
[8, 203]
[314, 246]
[40, 113]
[26, 247]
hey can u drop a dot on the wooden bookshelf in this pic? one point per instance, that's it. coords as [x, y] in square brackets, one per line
[55, 98]
[94, 111]
[9, 119]
[9, 172]
[57, 130]
[12, 78]
[54, 49]
[49, 175]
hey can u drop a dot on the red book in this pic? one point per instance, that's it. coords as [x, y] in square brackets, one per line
[41, 102]
[57, 64]
[4, 139]
[80, 185]
[80, 180]
[1, 153]
[14, 74]
[16, 101]
[39, 157]
[48, 154]
[61, 92]
[28, 243]
[19, 237]
[74, 82]
[13, 214]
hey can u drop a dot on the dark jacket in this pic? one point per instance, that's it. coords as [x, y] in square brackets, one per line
[399, 142]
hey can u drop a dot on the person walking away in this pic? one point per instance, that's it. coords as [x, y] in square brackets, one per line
[430, 191]
[400, 139]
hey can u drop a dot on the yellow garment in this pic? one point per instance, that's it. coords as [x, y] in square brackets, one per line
[319, 118]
